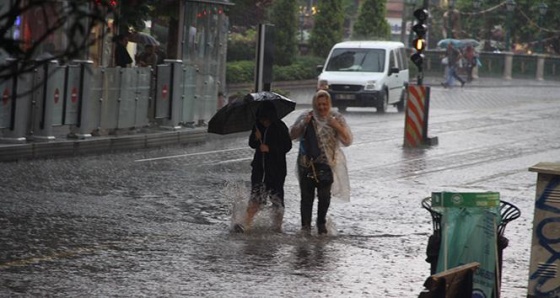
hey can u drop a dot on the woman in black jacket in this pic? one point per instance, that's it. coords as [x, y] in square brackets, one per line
[271, 140]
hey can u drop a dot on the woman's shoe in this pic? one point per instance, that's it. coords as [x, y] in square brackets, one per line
[322, 229]
[238, 228]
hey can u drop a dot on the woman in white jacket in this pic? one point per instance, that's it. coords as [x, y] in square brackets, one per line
[321, 164]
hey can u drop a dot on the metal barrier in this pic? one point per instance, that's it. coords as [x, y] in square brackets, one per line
[96, 100]
[506, 65]
[16, 102]
[48, 101]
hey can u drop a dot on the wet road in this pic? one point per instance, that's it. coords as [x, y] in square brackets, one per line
[156, 223]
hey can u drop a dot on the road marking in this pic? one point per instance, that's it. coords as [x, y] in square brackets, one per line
[187, 155]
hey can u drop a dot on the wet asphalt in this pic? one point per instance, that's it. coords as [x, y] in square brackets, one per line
[156, 222]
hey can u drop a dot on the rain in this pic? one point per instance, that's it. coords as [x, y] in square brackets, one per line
[157, 222]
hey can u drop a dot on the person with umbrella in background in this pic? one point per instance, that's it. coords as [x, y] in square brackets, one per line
[148, 58]
[321, 163]
[122, 57]
[454, 57]
[271, 140]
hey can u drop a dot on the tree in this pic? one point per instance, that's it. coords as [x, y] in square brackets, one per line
[490, 22]
[328, 29]
[132, 14]
[248, 13]
[284, 18]
[71, 19]
[371, 22]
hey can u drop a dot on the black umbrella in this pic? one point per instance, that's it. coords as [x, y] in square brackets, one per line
[239, 115]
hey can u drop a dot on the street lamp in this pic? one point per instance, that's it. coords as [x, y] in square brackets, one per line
[450, 8]
[510, 6]
[542, 12]
[301, 22]
[476, 4]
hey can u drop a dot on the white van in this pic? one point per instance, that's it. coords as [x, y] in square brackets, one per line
[366, 74]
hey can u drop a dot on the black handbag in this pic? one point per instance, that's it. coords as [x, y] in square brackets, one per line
[323, 173]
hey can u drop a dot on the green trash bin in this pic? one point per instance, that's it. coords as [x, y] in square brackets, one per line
[469, 223]
[508, 211]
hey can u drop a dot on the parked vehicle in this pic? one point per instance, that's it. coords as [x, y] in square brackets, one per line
[366, 74]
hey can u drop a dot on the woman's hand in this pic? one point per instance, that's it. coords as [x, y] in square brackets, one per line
[258, 135]
[264, 148]
[341, 130]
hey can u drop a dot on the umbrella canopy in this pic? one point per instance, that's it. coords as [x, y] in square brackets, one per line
[143, 38]
[458, 43]
[444, 42]
[239, 115]
[470, 42]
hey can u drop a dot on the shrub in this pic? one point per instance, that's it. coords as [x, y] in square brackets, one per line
[303, 68]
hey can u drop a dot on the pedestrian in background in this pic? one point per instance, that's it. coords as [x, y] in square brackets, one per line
[471, 59]
[271, 140]
[122, 57]
[454, 57]
[321, 164]
[148, 58]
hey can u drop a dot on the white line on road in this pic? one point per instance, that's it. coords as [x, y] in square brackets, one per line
[187, 155]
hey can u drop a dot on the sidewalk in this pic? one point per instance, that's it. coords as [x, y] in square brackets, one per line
[143, 138]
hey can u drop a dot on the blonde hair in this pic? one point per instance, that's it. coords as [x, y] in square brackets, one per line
[321, 93]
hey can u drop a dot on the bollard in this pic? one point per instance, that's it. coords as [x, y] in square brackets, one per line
[544, 268]
[540, 67]
[80, 94]
[16, 100]
[175, 95]
[416, 117]
[48, 101]
[508, 64]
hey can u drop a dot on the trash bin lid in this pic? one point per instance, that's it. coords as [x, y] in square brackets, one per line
[466, 199]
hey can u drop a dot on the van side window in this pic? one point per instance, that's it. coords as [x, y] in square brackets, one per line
[405, 58]
[392, 62]
[400, 58]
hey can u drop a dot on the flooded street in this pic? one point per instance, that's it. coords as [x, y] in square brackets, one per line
[156, 223]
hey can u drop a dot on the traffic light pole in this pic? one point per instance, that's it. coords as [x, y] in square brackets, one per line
[418, 103]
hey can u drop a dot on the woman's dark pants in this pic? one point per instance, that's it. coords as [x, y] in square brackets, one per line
[307, 187]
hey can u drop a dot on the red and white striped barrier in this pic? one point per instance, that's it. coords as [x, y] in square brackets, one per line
[416, 117]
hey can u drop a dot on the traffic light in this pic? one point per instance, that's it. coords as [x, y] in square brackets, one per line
[419, 43]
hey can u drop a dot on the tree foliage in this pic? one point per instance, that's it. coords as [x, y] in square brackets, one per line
[371, 22]
[328, 29]
[283, 16]
[248, 13]
[132, 14]
[490, 22]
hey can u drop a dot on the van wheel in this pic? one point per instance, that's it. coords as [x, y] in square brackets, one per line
[382, 108]
[402, 103]
[342, 109]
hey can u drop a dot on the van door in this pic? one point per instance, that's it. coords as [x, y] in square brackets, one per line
[394, 82]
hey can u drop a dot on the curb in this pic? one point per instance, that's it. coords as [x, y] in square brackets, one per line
[96, 145]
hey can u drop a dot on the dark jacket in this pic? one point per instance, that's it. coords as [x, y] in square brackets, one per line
[271, 165]
[122, 58]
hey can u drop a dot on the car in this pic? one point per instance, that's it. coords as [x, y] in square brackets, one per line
[366, 74]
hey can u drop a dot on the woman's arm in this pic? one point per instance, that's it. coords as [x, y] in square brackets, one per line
[297, 129]
[338, 123]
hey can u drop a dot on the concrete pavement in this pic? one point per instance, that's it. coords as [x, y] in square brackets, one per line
[143, 138]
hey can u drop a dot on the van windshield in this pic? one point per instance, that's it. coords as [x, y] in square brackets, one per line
[358, 60]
